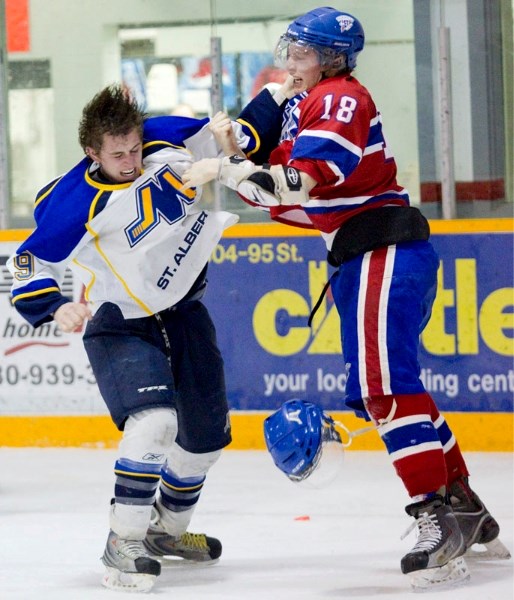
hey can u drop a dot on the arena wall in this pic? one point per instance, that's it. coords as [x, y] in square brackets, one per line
[263, 282]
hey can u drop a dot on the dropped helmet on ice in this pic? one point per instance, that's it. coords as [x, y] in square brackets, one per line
[304, 443]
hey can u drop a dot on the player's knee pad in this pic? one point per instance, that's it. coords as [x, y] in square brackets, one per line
[381, 408]
[402, 420]
[186, 464]
[148, 435]
[384, 409]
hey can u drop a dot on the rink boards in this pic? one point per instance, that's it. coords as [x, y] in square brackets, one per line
[263, 282]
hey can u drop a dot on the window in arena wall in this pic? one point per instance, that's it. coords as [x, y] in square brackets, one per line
[32, 139]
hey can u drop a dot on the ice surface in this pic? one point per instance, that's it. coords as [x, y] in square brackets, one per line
[280, 542]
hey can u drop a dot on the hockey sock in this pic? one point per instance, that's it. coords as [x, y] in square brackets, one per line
[134, 491]
[179, 494]
[177, 501]
[136, 483]
[411, 440]
[455, 463]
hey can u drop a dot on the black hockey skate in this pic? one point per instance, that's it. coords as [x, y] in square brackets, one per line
[195, 547]
[436, 559]
[477, 524]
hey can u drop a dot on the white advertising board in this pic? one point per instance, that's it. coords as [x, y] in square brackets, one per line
[42, 371]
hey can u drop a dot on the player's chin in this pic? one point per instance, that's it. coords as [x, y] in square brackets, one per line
[299, 87]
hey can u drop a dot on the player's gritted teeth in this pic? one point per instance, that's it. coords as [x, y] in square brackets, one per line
[129, 172]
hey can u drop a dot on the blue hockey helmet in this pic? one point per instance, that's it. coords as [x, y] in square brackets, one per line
[327, 30]
[298, 435]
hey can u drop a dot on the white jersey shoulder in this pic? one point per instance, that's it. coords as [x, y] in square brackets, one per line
[149, 243]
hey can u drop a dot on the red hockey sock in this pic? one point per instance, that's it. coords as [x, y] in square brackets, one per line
[411, 440]
[455, 463]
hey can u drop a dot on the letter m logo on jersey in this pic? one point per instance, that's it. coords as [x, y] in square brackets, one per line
[158, 199]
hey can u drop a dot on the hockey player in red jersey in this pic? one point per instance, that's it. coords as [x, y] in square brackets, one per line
[333, 171]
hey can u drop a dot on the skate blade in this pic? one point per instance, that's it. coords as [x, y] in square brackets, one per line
[117, 580]
[169, 560]
[454, 573]
[494, 550]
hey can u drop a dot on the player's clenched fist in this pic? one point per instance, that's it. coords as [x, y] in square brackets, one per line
[221, 127]
[220, 124]
[71, 315]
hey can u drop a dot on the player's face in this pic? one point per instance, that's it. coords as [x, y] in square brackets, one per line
[120, 157]
[303, 65]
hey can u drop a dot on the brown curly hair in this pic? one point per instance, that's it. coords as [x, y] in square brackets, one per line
[112, 111]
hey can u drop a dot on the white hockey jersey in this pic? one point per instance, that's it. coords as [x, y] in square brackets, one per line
[140, 245]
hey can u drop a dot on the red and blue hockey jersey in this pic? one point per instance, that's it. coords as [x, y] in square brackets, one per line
[334, 134]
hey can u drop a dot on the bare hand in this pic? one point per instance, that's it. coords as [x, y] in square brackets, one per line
[221, 128]
[200, 172]
[72, 315]
[287, 88]
[220, 124]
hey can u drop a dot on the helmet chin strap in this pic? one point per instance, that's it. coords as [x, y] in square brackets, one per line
[352, 434]
[345, 443]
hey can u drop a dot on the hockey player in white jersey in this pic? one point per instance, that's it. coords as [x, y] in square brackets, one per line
[141, 247]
